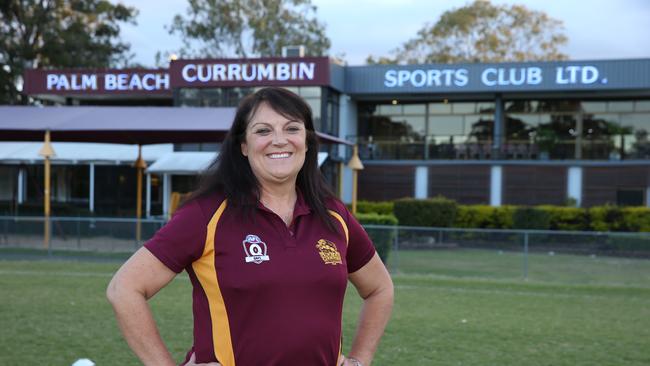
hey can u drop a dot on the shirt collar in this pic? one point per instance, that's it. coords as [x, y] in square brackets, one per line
[300, 208]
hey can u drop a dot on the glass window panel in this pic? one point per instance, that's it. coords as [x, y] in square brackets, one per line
[310, 91]
[389, 109]
[414, 109]
[636, 120]
[415, 125]
[446, 125]
[594, 107]
[521, 126]
[485, 107]
[555, 136]
[558, 106]
[293, 89]
[439, 108]
[479, 128]
[642, 106]
[521, 106]
[315, 107]
[624, 106]
[464, 108]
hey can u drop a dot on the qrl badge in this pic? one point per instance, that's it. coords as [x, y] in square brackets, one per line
[255, 249]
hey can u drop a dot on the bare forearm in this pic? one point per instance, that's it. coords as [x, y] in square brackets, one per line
[372, 322]
[139, 329]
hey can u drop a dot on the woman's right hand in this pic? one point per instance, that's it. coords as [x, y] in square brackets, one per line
[192, 362]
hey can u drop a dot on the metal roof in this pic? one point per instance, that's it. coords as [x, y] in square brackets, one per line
[124, 125]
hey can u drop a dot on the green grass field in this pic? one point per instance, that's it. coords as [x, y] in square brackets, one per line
[452, 308]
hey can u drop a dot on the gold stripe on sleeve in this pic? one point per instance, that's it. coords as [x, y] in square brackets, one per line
[207, 276]
[345, 227]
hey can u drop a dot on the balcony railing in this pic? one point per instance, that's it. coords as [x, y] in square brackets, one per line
[461, 148]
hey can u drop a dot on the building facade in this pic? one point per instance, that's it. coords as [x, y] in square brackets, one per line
[570, 132]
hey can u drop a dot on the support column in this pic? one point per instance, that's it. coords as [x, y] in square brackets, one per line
[574, 184]
[499, 127]
[347, 131]
[91, 188]
[21, 186]
[167, 192]
[496, 185]
[577, 154]
[421, 182]
[148, 197]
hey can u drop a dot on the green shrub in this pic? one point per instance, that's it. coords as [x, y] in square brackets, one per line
[484, 217]
[381, 238]
[636, 219]
[382, 207]
[606, 218]
[566, 218]
[531, 218]
[502, 217]
[474, 216]
[436, 212]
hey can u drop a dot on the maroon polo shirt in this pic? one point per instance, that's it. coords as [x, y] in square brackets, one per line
[264, 293]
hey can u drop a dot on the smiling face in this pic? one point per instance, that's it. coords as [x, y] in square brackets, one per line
[275, 146]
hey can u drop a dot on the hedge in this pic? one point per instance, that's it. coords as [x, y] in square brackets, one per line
[613, 218]
[436, 212]
[484, 217]
[381, 238]
[531, 218]
[442, 212]
[381, 207]
[567, 218]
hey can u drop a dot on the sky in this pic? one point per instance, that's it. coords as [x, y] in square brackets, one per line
[597, 29]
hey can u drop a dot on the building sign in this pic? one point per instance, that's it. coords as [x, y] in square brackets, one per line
[250, 72]
[505, 77]
[106, 82]
[491, 76]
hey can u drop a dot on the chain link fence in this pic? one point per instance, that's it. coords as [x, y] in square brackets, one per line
[569, 257]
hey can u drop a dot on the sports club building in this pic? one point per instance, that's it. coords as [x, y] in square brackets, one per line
[509, 133]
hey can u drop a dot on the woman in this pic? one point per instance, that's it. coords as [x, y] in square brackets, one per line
[268, 249]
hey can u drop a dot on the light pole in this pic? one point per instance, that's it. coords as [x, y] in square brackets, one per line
[46, 152]
[140, 165]
[356, 165]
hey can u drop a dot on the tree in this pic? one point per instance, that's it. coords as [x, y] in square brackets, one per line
[483, 32]
[244, 28]
[58, 33]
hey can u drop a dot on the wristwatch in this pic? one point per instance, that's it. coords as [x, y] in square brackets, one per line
[354, 361]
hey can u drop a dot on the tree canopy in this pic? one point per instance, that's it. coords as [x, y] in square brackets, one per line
[483, 32]
[58, 33]
[245, 28]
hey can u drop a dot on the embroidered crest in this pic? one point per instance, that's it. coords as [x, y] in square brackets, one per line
[328, 252]
[255, 249]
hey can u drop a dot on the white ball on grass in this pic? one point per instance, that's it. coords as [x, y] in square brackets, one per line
[83, 362]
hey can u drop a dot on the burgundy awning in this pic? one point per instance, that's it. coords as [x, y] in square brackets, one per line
[122, 125]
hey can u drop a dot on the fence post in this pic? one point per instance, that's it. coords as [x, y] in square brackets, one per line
[396, 245]
[6, 231]
[78, 234]
[49, 222]
[526, 255]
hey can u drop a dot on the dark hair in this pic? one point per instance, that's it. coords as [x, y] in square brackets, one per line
[231, 173]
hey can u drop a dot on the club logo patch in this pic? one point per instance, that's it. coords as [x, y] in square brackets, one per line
[255, 249]
[328, 252]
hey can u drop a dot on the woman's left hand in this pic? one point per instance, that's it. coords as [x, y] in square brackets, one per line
[192, 362]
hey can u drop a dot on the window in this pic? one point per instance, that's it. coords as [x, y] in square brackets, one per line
[630, 197]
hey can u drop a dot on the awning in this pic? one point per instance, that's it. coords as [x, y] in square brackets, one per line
[182, 163]
[123, 125]
[80, 153]
[191, 163]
